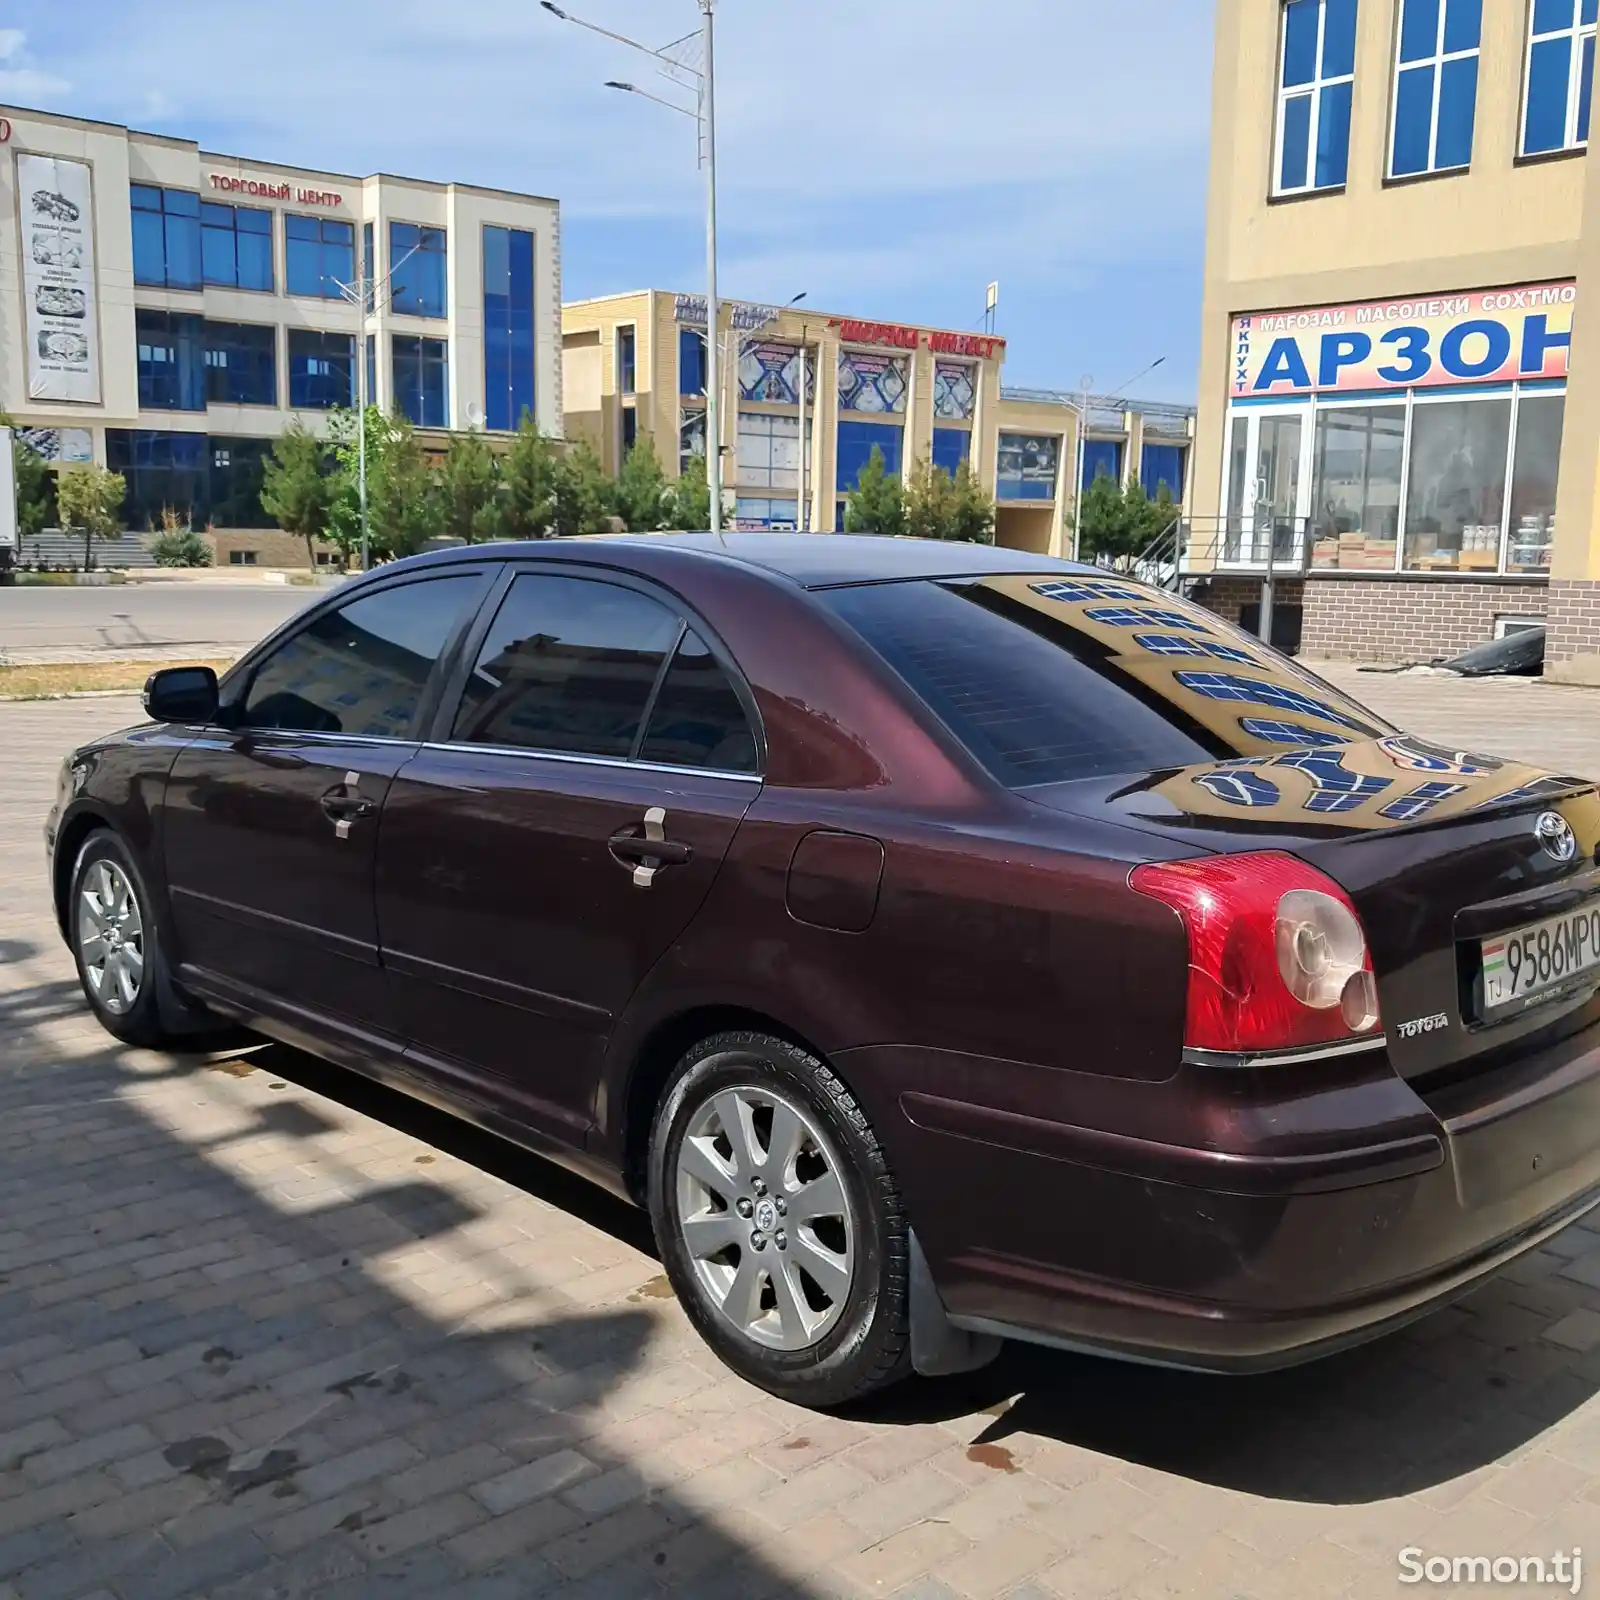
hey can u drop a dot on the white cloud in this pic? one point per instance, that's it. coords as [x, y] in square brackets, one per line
[20, 80]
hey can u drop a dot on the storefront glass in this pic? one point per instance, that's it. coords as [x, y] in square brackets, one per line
[1357, 464]
[1456, 496]
[1532, 523]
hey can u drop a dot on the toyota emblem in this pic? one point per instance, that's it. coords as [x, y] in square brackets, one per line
[1556, 837]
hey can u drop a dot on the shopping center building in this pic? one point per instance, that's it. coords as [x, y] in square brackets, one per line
[1396, 263]
[168, 312]
[636, 369]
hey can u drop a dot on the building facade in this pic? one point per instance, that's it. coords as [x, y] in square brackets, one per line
[1397, 409]
[168, 312]
[636, 369]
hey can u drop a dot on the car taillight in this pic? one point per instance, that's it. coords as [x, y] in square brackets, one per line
[1277, 955]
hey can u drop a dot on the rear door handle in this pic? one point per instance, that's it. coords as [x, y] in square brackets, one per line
[649, 852]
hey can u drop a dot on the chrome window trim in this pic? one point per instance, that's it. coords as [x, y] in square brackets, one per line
[1285, 1058]
[578, 759]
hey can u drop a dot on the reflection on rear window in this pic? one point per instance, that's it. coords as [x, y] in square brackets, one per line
[1046, 682]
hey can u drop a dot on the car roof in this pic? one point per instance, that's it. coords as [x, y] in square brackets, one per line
[814, 561]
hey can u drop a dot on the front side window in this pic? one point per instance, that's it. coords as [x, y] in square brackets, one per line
[321, 369]
[166, 237]
[241, 364]
[361, 669]
[1560, 77]
[569, 665]
[422, 379]
[417, 277]
[170, 348]
[236, 246]
[1316, 79]
[319, 255]
[1436, 86]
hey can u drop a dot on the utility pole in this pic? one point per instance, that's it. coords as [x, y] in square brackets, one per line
[708, 126]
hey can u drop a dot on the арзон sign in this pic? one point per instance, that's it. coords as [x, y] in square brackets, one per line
[1482, 336]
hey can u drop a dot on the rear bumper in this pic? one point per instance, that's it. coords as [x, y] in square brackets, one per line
[1230, 1222]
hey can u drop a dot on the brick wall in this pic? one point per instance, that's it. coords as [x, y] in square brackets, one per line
[1574, 620]
[1395, 619]
[273, 547]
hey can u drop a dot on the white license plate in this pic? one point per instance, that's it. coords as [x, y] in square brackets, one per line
[1540, 957]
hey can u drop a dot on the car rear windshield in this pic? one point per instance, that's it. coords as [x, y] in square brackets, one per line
[1046, 679]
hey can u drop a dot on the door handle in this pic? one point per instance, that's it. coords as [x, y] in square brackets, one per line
[342, 805]
[649, 852]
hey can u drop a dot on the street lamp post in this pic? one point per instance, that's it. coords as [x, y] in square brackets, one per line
[702, 80]
[363, 293]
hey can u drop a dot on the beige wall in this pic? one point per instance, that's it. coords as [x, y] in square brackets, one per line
[1498, 223]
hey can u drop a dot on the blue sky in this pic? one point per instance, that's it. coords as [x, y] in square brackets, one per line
[889, 158]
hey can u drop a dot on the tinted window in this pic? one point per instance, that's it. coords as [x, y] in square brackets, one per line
[362, 668]
[1047, 679]
[698, 720]
[568, 665]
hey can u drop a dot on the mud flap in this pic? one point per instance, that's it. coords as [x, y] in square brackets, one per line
[939, 1349]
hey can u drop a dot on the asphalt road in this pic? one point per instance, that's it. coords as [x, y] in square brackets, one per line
[210, 616]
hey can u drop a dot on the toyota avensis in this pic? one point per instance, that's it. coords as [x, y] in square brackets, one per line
[946, 944]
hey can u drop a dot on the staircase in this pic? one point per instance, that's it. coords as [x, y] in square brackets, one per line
[55, 551]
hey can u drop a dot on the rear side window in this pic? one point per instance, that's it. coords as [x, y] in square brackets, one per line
[698, 720]
[361, 668]
[1046, 680]
[568, 665]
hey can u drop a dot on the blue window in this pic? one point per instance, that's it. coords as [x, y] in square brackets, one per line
[507, 326]
[753, 512]
[951, 446]
[691, 362]
[1272, 731]
[171, 349]
[236, 246]
[1436, 86]
[417, 269]
[319, 254]
[1228, 686]
[856, 441]
[1076, 592]
[241, 364]
[1560, 81]
[1101, 456]
[1162, 464]
[166, 237]
[321, 370]
[422, 379]
[1318, 62]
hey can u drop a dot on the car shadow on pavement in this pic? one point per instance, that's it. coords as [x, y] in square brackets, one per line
[252, 1346]
[1454, 1392]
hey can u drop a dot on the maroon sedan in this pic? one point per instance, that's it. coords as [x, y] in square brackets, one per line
[946, 944]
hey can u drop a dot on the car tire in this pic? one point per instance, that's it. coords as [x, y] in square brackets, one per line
[116, 945]
[787, 1239]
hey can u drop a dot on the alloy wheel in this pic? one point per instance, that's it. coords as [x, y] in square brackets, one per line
[111, 937]
[765, 1216]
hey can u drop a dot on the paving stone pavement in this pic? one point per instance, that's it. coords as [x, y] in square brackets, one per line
[266, 1331]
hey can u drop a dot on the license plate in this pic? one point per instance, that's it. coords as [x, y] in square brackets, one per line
[1543, 956]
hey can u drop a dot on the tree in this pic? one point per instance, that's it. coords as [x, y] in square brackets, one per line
[404, 507]
[938, 506]
[688, 506]
[971, 508]
[297, 490]
[470, 490]
[90, 502]
[584, 494]
[877, 503]
[36, 484]
[528, 479]
[642, 493]
[1119, 524]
